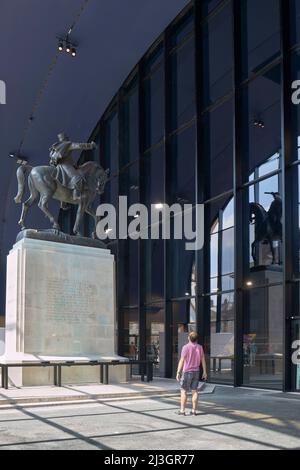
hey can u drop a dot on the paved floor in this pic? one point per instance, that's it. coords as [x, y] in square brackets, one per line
[229, 419]
[86, 392]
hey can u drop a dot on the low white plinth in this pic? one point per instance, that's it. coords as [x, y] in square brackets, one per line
[60, 305]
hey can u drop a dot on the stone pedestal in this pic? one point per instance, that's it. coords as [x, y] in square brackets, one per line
[60, 305]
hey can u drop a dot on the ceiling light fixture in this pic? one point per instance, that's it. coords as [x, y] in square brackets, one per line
[65, 45]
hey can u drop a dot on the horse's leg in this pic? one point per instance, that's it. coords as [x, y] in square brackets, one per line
[253, 252]
[27, 204]
[89, 210]
[80, 212]
[43, 205]
[272, 250]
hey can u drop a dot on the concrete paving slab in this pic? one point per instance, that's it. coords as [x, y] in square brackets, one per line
[30, 395]
[230, 419]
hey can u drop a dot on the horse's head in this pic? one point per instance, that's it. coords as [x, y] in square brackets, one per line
[257, 213]
[102, 177]
[95, 176]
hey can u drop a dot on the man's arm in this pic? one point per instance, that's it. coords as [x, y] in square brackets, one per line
[203, 362]
[83, 146]
[179, 369]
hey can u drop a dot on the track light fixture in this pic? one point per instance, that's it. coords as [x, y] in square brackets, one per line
[65, 45]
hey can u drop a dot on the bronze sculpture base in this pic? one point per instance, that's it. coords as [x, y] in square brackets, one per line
[53, 235]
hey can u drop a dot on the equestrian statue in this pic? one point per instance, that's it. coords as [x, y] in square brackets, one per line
[268, 225]
[63, 181]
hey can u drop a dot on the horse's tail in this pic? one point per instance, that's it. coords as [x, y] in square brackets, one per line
[22, 171]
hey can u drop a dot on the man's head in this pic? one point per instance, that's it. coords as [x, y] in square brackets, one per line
[193, 337]
[62, 137]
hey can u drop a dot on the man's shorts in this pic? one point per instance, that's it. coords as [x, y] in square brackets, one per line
[189, 381]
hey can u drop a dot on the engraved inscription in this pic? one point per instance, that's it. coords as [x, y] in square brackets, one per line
[71, 301]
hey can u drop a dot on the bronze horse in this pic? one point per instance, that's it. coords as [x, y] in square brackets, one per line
[44, 186]
[268, 225]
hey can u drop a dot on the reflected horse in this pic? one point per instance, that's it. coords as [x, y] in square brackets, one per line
[268, 226]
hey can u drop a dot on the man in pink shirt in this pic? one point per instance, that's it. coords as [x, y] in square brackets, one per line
[192, 355]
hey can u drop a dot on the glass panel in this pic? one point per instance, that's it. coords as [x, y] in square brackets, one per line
[155, 337]
[296, 216]
[152, 270]
[129, 184]
[296, 107]
[220, 216]
[296, 364]
[218, 150]
[153, 177]
[130, 127]
[265, 231]
[154, 59]
[154, 107]
[110, 158]
[295, 21]
[209, 5]
[183, 106]
[181, 268]
[263, 337]
[261, 124]
[182, 171]
[222, 338]
[260, 34]
[128, 272]
[218, 55]
[182, 29]
[131, 338]
[183, 322]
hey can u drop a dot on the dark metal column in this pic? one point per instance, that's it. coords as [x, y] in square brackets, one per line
[202, 256]
[142, 317]
[238, 198]
[167, 165]
[121, 243]
[290, 243]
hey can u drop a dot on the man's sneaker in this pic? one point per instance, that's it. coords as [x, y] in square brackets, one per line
[181, 413]
[193, 413]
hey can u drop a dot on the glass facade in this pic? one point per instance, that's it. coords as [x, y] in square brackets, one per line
[206, 117]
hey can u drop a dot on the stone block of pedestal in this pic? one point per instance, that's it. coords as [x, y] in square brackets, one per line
[60, 305]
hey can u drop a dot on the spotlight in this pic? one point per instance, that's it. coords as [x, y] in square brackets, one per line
[66, 45]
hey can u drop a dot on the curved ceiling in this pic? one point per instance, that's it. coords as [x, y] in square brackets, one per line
[48, 92]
